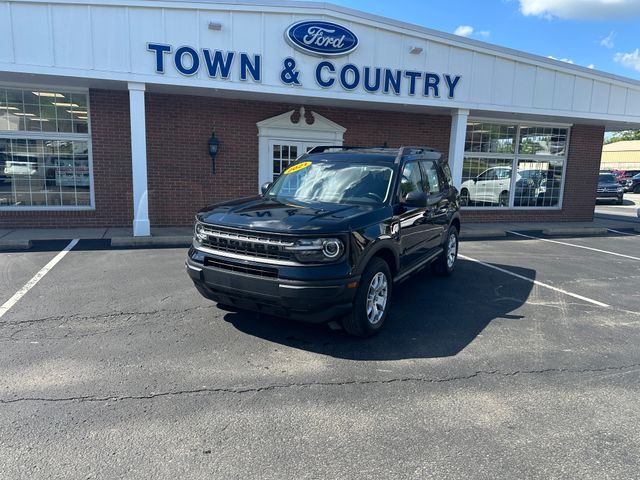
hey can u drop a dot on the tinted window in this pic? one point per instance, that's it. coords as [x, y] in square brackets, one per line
[606, 178]
[488, 175]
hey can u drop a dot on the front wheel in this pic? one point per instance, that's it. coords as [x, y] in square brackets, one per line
[637, 189]
[620, 201]
[372, 301]
[446, 261]
[465, 198]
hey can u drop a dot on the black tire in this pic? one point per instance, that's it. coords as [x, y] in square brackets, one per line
[465, 198]
[442, 267]
[503, 199]
[357, 322]
[637, 189]
[620, 201]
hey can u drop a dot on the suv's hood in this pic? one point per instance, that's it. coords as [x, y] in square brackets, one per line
[259, 213]
[607, 184]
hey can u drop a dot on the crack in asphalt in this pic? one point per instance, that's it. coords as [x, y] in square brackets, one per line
[273, 387]
[104, 316]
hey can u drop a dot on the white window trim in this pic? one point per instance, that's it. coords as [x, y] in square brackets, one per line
[281, 127]
[516, 157]
[12, 134]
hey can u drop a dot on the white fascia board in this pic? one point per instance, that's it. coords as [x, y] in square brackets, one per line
[347, 14]
[332, 97]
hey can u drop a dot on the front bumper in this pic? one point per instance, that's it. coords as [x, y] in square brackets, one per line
[304, 299]
[609, 194]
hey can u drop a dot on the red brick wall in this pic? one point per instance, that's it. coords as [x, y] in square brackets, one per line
[179, 166]
[178, 126]
[583, 164]
[111, 141]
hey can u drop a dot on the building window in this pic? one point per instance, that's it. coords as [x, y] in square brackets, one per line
[494, 151]
[45, 160]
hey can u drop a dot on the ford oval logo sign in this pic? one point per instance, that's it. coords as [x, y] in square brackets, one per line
[321, 38]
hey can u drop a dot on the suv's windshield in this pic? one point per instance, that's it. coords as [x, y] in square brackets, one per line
[606, 178]
[333, 182]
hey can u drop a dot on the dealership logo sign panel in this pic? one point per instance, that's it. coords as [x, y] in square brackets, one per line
[318, 38]
[322, 38]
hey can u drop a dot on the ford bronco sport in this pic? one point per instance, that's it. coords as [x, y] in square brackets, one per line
[331, 236]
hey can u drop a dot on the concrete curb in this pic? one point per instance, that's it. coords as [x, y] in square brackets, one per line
[574, 231]
[15, 244]
[151, 241]
[466, 235]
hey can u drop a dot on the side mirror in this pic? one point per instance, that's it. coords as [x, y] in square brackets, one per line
[416, 200]
[265, 187]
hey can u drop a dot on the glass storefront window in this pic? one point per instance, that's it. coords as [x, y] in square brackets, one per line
[44, 173]
[487, 138]
[486, 182]
[44, 149]
[538, 183]
[493, 151]
[542, 141]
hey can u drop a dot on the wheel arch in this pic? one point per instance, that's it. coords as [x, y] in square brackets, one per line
[385, 250]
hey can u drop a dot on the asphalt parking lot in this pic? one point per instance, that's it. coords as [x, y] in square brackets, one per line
[114, 367]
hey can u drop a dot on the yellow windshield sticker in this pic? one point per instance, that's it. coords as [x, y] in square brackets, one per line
[297, 167]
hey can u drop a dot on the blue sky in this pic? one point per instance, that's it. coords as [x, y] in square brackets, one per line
[598, 33]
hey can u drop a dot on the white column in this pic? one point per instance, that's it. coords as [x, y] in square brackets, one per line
[141, 225]
[459, 120]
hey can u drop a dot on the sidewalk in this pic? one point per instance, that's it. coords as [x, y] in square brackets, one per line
[123, 237]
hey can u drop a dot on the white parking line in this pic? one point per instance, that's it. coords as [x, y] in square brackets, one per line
[622, 233]
[535, 282]
[575, 246]
[36, 278]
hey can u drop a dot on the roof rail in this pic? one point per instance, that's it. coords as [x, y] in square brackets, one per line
[324, 148]
[401, 152]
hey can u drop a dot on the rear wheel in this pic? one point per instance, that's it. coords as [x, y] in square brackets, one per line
[446, 262]
[372, 301]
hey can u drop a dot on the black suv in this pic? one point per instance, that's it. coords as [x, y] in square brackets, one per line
[331, 236]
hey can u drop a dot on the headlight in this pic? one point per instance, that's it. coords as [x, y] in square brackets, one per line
[199, 233]
[317, 250]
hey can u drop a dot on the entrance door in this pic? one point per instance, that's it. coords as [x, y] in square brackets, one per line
[282, 141]
[284, 152]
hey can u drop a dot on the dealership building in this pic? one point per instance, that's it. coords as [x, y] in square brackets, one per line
[131, 113]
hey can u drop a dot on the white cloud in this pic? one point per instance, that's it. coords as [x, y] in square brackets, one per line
[464, 31]
[468, 30]
[568, 60]
[608, 40]
[629, 60]
[581, 8]
[565, 60]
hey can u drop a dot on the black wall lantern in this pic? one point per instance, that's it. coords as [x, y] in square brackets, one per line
[214, 143]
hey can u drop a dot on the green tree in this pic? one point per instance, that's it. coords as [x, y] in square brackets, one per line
[623, 136]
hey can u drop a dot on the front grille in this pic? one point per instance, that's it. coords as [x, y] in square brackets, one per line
[264, 246]
[265, 272]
